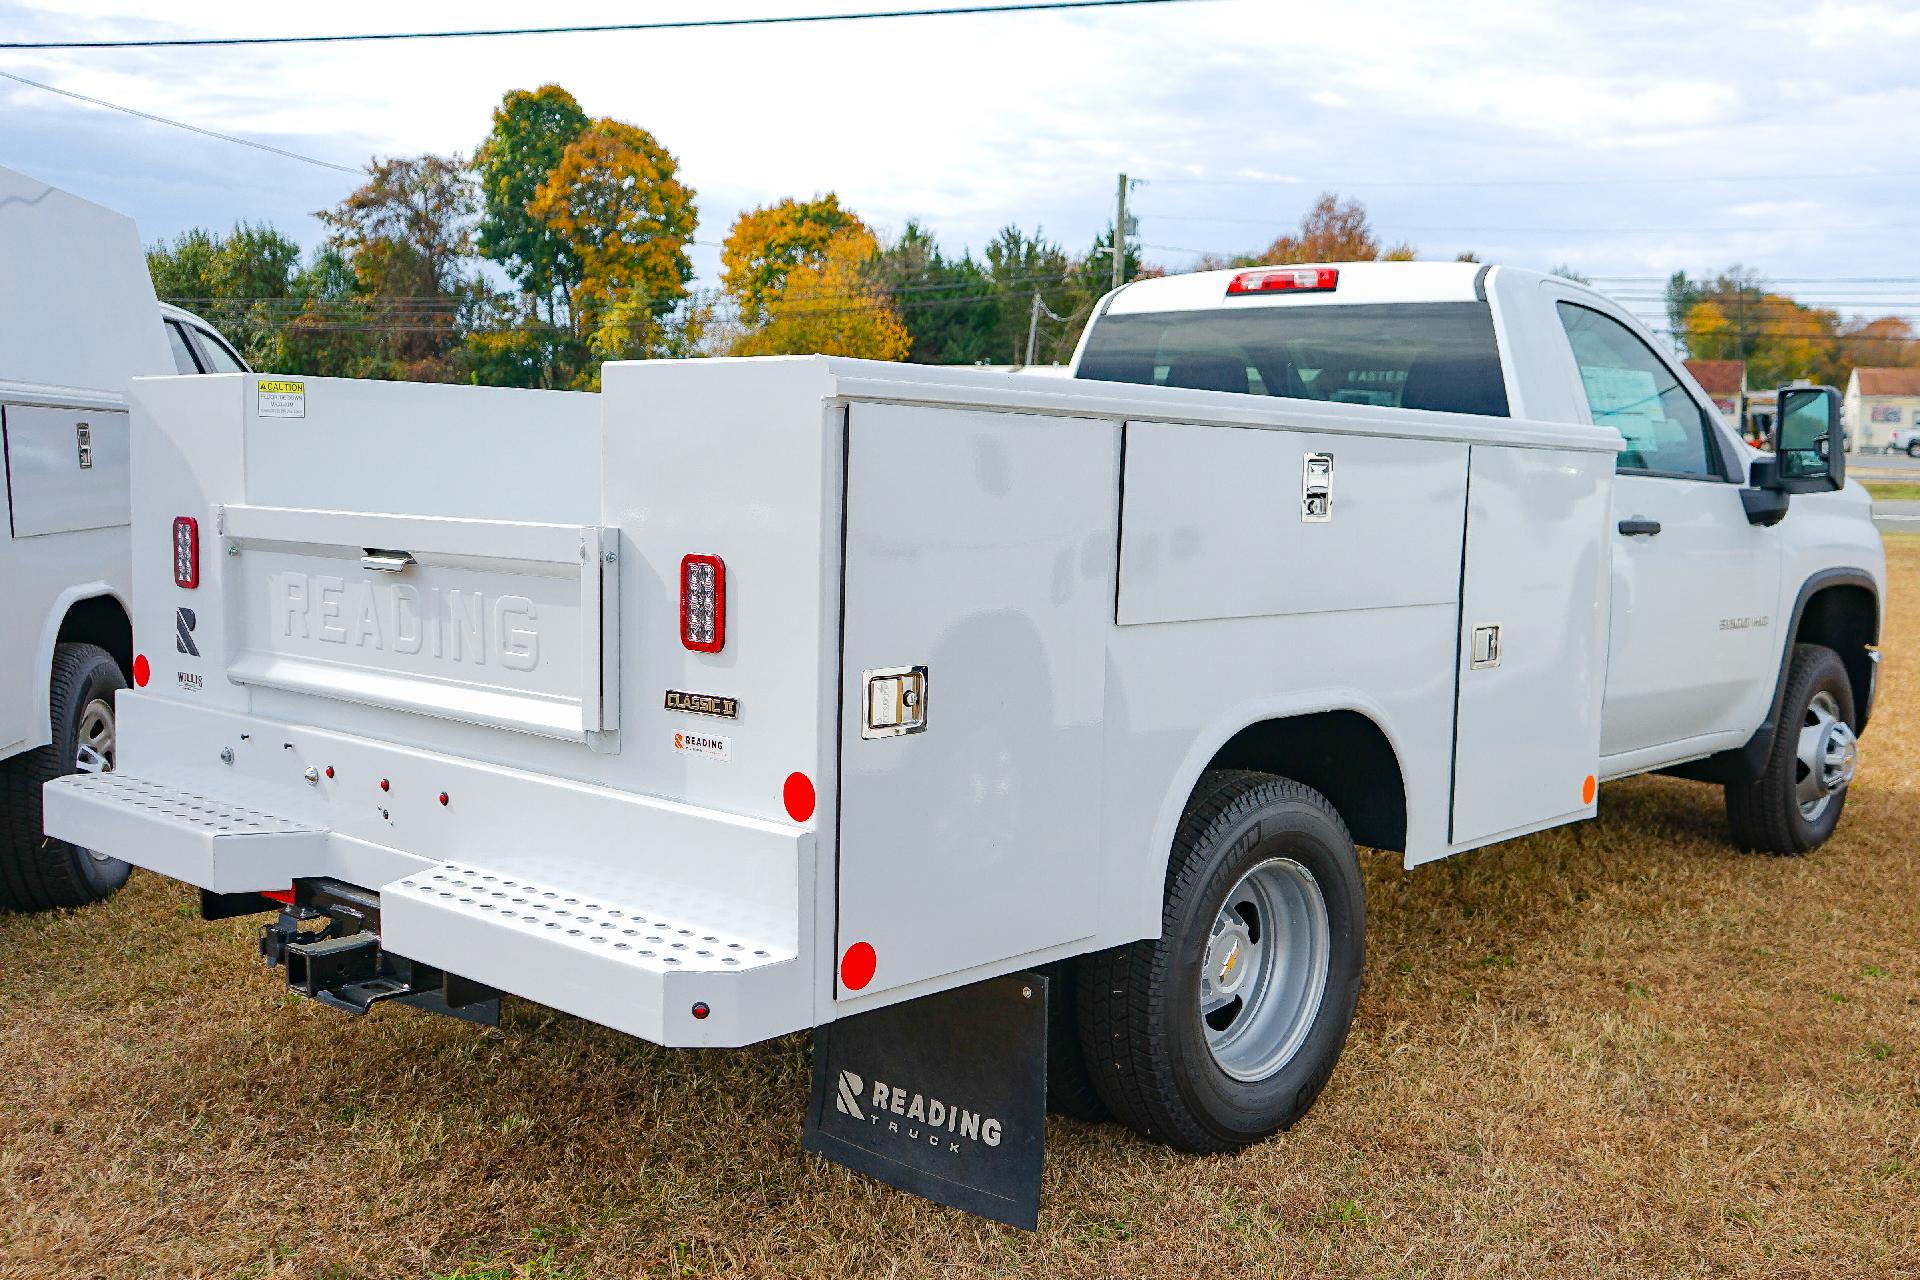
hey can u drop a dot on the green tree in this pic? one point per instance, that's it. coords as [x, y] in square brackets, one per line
[242, 282]
[950, 306]
[532, 130]
[405, 236]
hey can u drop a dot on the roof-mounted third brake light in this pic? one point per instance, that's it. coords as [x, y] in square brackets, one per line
[1283, 280]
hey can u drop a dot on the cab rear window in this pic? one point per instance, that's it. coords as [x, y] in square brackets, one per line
[1429, 355]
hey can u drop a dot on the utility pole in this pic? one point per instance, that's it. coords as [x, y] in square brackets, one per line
[1120, 235]
[1033, 323]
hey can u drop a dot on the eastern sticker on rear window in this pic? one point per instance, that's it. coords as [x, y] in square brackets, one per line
[282, 398]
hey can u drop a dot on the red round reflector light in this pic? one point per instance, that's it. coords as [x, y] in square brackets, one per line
[443, 797]
[384, 786]
[857, 966]
[141, 671]
[700, 1011]
[799, 797]
[329, 771]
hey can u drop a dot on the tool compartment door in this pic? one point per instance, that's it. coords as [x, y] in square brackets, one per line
[979, 546]
[1535, 599]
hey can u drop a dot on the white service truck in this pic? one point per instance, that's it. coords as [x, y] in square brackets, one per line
[78, 318]
[929, 708]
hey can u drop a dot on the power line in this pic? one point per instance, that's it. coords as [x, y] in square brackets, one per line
[684, 24]
[180, 124]
[1516, 182]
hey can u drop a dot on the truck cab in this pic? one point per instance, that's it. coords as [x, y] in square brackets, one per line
[78, 318]
[1715, 576]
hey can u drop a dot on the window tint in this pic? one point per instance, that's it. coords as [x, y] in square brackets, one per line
[1438, 355]
[1635, 392]
[182, 357]
[219, 357]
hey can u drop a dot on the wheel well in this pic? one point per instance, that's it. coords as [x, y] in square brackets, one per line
[100, 620]
[1341, 754]
[1846, 619]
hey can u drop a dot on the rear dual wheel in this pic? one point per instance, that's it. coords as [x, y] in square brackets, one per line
[1224, 1029]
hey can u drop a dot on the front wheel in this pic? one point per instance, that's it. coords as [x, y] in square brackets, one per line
[1224, 1029]
[1913, 448]
[1797, 801]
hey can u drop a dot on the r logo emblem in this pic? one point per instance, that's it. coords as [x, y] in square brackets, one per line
[183, 625]
[848, 1101]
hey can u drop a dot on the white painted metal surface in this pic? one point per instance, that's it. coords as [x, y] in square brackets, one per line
[1085, 626]
[1527, 741]
[989, 812]
[197, 838]
[78, 318]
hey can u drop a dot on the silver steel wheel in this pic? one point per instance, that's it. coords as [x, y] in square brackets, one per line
[94, 746]
[95, 740]
[1264, 973]
[1825, 756]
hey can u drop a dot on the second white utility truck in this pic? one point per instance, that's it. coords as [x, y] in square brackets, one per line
[928, 707]
[77, 319]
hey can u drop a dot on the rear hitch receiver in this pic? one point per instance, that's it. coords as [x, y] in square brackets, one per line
[343, 966]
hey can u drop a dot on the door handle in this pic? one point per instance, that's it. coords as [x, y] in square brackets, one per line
[383, 561]
[1639, 528]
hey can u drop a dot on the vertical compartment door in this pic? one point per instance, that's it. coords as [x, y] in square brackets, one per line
[978, 592]
[1535, 597]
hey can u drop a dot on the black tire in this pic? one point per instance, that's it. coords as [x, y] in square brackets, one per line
[38, 873]
[1070, 1090]
[1913, 449]
[1140, 1005]
[1765, 815]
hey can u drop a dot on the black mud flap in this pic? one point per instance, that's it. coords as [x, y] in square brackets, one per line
[944, 1096]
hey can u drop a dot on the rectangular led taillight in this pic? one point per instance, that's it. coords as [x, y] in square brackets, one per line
[186, 551]
[703, 603]
[1284, 280]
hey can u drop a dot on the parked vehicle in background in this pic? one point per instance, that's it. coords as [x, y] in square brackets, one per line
[1904, 440]
[77, 319]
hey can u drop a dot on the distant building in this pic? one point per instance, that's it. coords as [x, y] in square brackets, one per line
[1726, 382]
[1878, 402]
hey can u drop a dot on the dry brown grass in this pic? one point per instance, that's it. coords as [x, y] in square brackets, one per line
[1616, 1049]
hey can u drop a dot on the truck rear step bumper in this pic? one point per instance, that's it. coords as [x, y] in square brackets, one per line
[219, 846]
[659, 960]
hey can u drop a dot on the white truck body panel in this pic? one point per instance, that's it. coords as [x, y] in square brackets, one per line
[982, 526]
[77, 318]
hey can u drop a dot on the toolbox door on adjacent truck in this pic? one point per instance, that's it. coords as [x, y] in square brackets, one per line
[978, 589]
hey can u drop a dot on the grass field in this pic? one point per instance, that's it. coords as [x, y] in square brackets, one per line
[1905, 490]
[1618, 1049]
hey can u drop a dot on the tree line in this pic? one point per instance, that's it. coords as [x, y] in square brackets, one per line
[561, 241]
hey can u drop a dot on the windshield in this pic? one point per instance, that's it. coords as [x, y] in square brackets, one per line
[1427, 355]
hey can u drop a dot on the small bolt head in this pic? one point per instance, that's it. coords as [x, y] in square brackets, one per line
[312, 775]
[226, 755]
[1026, 993]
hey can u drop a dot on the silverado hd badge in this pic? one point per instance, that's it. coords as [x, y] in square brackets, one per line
[703, 704]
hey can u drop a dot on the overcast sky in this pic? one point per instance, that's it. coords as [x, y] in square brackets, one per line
[1625, 140]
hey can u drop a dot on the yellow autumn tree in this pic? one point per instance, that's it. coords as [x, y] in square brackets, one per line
[830, 307]
[616, 200]
[764, 245]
